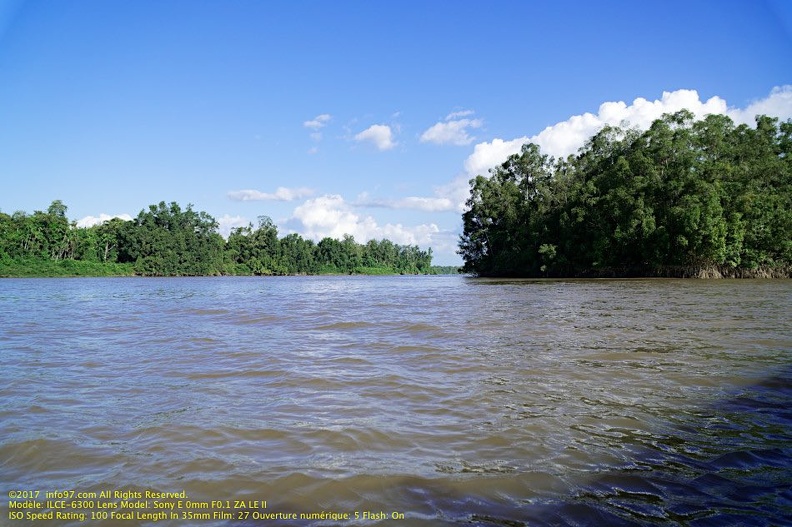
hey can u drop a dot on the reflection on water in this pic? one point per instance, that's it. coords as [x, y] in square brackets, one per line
[455, 401]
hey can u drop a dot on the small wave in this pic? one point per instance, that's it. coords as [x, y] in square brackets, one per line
[203, 311]
[343, 326]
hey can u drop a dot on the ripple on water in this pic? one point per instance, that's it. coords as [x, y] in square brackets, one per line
[455, 401]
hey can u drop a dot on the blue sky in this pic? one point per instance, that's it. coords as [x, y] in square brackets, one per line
[349, 116]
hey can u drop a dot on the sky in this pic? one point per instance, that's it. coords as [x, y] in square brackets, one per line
[350, 117]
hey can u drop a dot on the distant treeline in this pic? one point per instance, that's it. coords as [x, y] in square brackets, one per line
[684, 198]
[166, 240]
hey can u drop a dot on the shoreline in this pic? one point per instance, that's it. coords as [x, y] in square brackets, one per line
[81, 269]
[712, 272]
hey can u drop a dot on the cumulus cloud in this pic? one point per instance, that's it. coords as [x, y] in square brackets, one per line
[566, 137]
[777, 104]
[280, 194]
[379, 134]
[331, 216]
[318, 122]
[228, 223]
[90, 221]
[453, 130]
[489, 154]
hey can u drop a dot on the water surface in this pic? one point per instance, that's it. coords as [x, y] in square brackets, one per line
[454, 401]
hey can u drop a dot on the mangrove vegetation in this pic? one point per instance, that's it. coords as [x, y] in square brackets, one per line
[684, 198]
[167, 240]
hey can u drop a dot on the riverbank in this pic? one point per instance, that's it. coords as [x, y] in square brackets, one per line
[699, 272]
[713, 272]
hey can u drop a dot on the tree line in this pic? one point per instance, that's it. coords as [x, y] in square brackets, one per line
[684, 198]
[166, 240]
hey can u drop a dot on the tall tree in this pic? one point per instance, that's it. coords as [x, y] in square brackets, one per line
[684, 193]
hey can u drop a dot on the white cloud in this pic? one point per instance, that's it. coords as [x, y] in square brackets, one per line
[227, 223]
[487, 155]
[450, 197]
[566, 137]
[457, 191]
[777, 104]
[451, 132]
[435, 204]
[318, 122]
[90, 221]
[456, 115]
[454, 130]
[379, 134]
[280, 194]
[330, 216]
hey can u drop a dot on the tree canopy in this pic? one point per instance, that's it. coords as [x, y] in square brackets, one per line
[681, 197]
[166, 240]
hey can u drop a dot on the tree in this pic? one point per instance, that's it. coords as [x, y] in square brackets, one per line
[684, 193]
[502, 227]
[296, 255]
[166, 241]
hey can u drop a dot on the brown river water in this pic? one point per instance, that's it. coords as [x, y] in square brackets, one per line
[399, 401]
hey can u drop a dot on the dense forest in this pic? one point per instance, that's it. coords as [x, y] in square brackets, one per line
[166, 240]
[683, 198]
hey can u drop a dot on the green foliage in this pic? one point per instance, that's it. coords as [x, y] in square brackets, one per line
[54, 268]
[165, 240]
[168, 241]
[44, 235]
[685, 193]
[445, 269]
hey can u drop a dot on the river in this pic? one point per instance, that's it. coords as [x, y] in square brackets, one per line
[411, 401]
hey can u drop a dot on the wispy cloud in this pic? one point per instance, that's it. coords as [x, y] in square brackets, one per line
[380, 135]
[426, 204]
[280, 194]
[453, 130]
[318, 122]
[456, 115]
